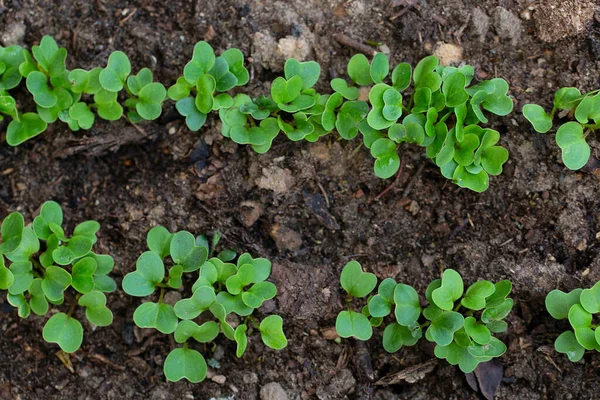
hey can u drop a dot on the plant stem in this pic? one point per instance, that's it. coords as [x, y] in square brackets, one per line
[73, 304]
[160, 297]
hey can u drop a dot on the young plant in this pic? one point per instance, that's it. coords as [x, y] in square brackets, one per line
[578, 306]
[442, 114]
[222, 289]
[72, 96]
[571, 136]
[40, 265]
[205, 82]
[461, 324]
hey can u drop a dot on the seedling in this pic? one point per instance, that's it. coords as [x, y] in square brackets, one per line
[442, 113]
[43, 267]
[571, 136]
[461, 324]
[579, 306]
[221, 291]
[205, 82]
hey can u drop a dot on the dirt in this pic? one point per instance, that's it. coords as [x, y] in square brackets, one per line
[310, 208]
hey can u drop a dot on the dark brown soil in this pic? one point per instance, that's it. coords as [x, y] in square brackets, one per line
[537, 225]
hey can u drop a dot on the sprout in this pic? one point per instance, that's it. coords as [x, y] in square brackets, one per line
[67, 268]
[222, 288]
[460, 323]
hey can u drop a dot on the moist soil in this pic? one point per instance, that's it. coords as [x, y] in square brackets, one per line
[311, 208]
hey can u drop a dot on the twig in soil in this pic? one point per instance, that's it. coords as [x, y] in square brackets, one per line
[459, 33]
[406, 9]
[127, 18]
[387, 189]
[104, 360]
[356, 45]
[362, 360]
[410, 185]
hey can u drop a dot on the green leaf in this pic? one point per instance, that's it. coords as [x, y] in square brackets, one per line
[28, 126]
[113, 77]
[475, 298]
[350, 323]
[356, 282]
[180, 90]
[203, 59]
[65, 331]
[478, 182]
[23, 277]
[497, 313]
[285, 91]
[81, 113]
[159, 241]
[425, 75]
[11, 232]
[107, 105]
[341, 86]
[194, 119]
[20, 302]
[443, 327]
[380, 67]
[308, 71]
[388, 161]
[95, 308]
[83, 275]
[56, 281]
[408, 308]
[224, 80]
[151, 97]
[464, 152]
[235, 61]
[135, 83]
[201, 300]
[87, 229]
[49, 56]
[185, 252]
[259, 293]
[558, 303]
[185, 363]
[450, 290]
[566, 98]
[149, 272]
[575, 151]
[205, 88]
[348, 118]
[244, 276]
[396, 335]
[28, 247]
[175, 274]
[567, 344]
[454, 91]
[498, 102]
[156, 315]
[381, 304]
[241, 339]
[271, 332]
[536, 115]
[78, 246]
[204, 333]
[38, 302]
[6, 277]
[495, 348]
[478, 332]
[359, 70]
[503, 289]
[401, 76]
[589, 108]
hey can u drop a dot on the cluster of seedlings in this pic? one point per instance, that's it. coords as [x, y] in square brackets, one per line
[443, 111]
[42, 268]
[437, 107]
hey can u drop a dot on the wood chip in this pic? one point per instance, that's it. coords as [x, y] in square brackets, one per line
[409, 375]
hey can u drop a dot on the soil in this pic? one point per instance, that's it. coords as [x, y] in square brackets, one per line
[311, 208]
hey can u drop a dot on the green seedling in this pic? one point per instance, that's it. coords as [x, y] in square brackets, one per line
[40, 266]
[460, 323]
[571, 136]
[579, 306]
[205, 82]
[221, 290]
[443, 114]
